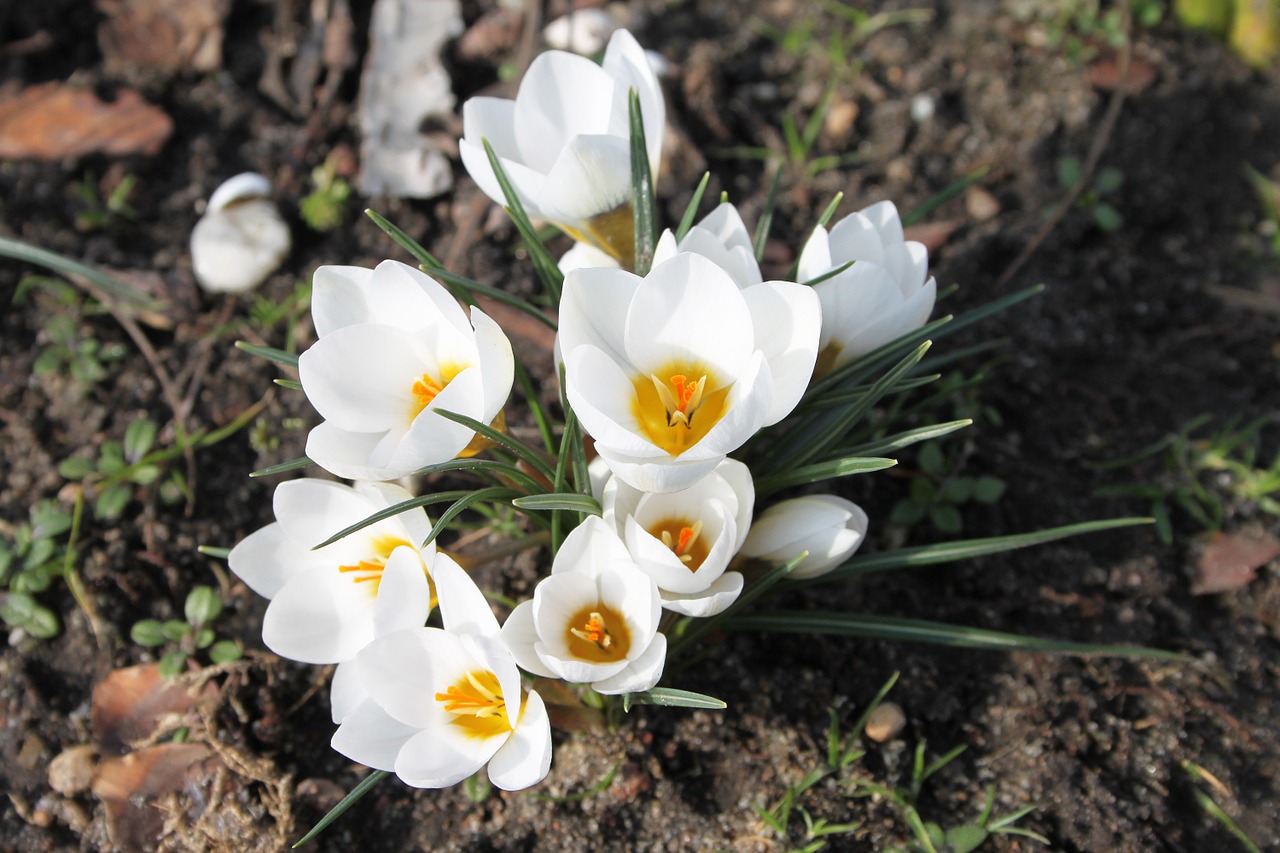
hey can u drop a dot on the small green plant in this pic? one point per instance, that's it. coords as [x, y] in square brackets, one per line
[324, 208]
[1201, 474]
[30, 559]
[1209, 805]
[186, 637]
[65, 350]
[98, 213]
[1268, 192]
[1094, 198]
[1080, 27]
[938, 491]
[122, 467]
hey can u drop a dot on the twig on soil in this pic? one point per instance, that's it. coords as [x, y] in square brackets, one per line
[1096, 149]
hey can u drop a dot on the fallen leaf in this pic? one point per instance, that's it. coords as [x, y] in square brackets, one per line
[1104, 75]
[129, 703]
[1231, 560]
[53, 121]
[128, 787]
[932, 234]
[161, 35]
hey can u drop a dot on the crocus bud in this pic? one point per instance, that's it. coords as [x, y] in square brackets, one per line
[829, 528]
[241, 239]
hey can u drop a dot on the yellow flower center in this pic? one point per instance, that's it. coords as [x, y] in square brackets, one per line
[674, 410]
[477, 704]
[369, 570]
[428, 387]
[684, 539]
[827, 359]
[612, 232]
[598, 634]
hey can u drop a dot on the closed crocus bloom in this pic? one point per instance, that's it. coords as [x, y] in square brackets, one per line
[394, 346]
[439, 704]
[722, 237]
[885, 294]
[327, 604]
[829, 528]
[671, 372]
[684, 540]
[564, 142]
[594, 620]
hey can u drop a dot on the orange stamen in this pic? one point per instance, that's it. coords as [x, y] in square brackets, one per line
[425, 390]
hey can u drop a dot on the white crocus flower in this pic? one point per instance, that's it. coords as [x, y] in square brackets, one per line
[884, 295]
[564, 141]
[327, 604]
[393, 347]
[671, 372]
[828, 527]
[594, 620]
[441, 704]
[721, 236]
[684, 540]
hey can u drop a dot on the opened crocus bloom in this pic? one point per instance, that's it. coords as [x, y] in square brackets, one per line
[327, 604]
[722, 237]
[828, 528]
[441, 704]
[594, 620]
[564, 142]
[684, 540]
[394, 347]
[671, 372]
[885, 294]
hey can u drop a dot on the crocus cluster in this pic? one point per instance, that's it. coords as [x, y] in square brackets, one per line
[670, 373]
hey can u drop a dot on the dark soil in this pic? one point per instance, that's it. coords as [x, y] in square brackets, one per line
[1138, 332]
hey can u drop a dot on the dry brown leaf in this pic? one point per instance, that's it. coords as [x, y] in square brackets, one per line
[129, 703]
[129, 785]
[53, 121]
[161, 35]
[1104, 75]
[1231, 560]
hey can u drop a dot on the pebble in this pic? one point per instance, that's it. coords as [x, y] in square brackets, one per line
[885, 722]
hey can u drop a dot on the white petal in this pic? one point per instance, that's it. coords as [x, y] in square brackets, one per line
[591, 176]
[371, 737]
[408, 298]
[626, 61]
[603, 398]
[344, 453]
[593, 310]
[710, 601]
[431, 438]
[664, 475]
[462, 605]
[320, 617]
[738, 477]
[268, 558]
[632, 593]
[641, 674]
[417, 526]
[404, 671]
[561, 96]
[589, 548]
[525, 758]
[855, 305]
[521, 636]
[527, 183]
[666, 248]
[884, 215]
[444, 756]
[346, 691]
[688, 310]
[338, 297]
[585, 256]
[788, 321]
[404, 594]
[361, 377]
[856, 238]
[815, 257]
[497, 364]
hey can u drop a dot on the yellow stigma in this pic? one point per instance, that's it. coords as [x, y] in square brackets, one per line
[684, 539]
[598, 634]
[477, 704]
[426, 388]
[675, 411]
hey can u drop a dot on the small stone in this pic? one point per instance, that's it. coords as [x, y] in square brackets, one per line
[922, 108]
[885, 722]
[980, 204]
[72, 770]
[32, 749]
[840, 118]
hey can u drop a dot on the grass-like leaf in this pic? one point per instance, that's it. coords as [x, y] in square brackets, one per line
[348, 801]
[831, 273]
[469, 287]
[493, 493]
[690, 212]
[394, 510]
[945, 195]
[921, 631]
[964, 549]
[271, 354]
[644, 216]
[672, 698]
[291, 384]
[21, 251]
[213, 551]
[410, 245]
[894, 443]
[567, 501]
[766, 216]
[543, 263]
[852, 395]
[519, 448]
[820, 471]
[535, 406]
[291, 465]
